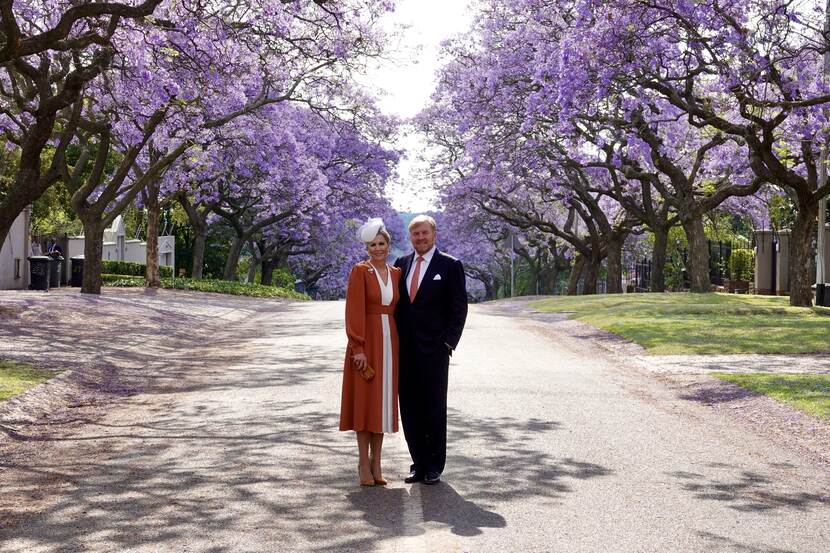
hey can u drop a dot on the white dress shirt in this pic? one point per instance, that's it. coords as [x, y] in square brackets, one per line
[424, 264]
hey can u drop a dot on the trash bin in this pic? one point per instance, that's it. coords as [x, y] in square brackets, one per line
[39, 272]
[77, 270]
[55, 271]
[299, 286]
[823, 294]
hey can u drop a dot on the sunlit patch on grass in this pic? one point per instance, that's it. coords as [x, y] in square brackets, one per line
[807, 392]
[16, 378]
[702, 323]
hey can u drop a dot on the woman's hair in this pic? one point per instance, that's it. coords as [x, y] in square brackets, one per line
[385, 233]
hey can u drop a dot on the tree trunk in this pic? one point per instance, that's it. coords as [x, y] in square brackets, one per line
[233, 258]
[12, 206]
[151, 202]
[199, 221]
[548, 278]
[93, 252]
[801, 237]
[613, 280]
[254, 261]
[657, 281]
[29, 184]
[268, 267]
[199, 241]
[489, 291]
[533, 278]
[697, 263]
[576, 273]
[591, 275]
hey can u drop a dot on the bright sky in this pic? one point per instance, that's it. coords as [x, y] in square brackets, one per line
[406, 80]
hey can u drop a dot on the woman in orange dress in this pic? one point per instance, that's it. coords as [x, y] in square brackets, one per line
[370, 407]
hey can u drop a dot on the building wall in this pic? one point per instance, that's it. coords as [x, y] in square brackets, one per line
[764, 259]
[763, 262]
[110, 252]
[14, 268]
[134, 250]
[783, 267]
[74, 247]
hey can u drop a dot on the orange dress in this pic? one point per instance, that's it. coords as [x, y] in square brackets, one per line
[370, 327]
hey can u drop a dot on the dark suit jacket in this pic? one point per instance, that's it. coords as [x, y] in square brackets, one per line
[437, 315]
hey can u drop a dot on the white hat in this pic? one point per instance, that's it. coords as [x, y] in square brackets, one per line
[367, 232]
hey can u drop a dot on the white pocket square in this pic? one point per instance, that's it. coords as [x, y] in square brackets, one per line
[437, 277]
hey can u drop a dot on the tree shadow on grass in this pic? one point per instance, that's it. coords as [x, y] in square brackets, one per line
[713, 392]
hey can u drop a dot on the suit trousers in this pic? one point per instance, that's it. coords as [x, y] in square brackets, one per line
[423, 405]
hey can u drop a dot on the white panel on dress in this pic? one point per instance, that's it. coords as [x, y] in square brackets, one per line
[386, 295]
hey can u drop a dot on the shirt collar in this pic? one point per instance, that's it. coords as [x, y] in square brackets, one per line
[427, 256]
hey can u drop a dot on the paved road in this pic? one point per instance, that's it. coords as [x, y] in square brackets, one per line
[232, 446]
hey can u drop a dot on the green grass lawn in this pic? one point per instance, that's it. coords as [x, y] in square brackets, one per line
[16, 378]
[808, 392]
[685, 323]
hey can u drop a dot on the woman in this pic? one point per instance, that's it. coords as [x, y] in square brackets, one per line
[369, 403]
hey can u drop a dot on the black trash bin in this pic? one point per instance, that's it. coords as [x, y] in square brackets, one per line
[77, 270]
[55, 269]
[39, 272]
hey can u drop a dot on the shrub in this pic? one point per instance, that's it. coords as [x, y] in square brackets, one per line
[205, 285]
[742, 264]
[132, 269]
[283, 279]
[122, 281]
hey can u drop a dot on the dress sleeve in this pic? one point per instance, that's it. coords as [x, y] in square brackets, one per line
[356, 310]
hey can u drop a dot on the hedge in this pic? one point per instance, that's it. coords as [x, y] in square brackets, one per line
[132, 268]
[207, 285]
[742, 264]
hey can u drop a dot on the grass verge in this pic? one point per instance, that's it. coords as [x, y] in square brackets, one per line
[807, 392]
[685, 323]
[16, 378]
[207, 285]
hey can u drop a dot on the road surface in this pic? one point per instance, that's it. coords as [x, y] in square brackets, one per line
[216, 431]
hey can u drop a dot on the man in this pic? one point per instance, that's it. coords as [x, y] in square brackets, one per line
[34, 248]
[430, 317]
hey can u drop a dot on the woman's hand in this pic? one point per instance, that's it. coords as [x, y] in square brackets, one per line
[360, 361]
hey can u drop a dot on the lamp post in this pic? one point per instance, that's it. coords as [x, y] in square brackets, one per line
[822, 180]
[512, 271]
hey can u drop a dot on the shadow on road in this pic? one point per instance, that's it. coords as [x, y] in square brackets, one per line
[236, 447]
[746, 491]
[725, 543]
[386, 509]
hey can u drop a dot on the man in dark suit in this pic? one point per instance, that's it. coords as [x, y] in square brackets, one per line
[430, 317]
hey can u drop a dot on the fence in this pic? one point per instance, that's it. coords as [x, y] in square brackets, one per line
[637, 269]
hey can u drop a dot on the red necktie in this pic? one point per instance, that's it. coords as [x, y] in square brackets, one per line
[413, 286]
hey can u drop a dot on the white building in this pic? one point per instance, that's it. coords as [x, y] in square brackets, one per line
[772, 261]
[14, 269]
[118, 248]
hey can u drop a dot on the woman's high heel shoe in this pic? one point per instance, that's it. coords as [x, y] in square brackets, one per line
[367, 481]
[379, 479]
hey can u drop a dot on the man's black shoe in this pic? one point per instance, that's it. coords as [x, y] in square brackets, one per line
[432, 478]
[414, 476]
